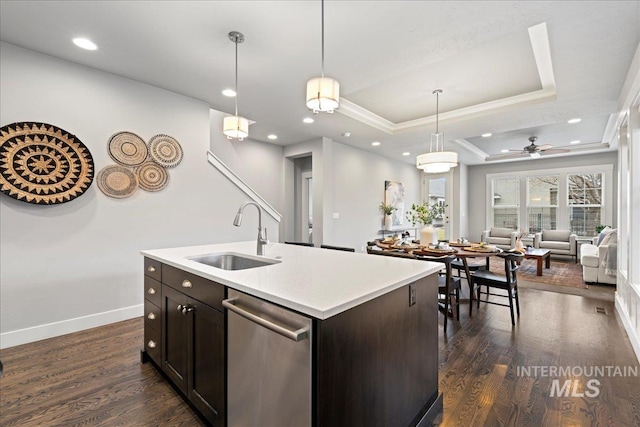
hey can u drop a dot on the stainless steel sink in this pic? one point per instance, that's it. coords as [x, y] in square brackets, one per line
[233, 261]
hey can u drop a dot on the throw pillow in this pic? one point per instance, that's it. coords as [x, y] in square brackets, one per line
[611, 237]
[603, 234]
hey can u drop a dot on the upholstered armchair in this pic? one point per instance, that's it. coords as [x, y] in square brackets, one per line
[504, 238]
[559, 242]
[599, 260]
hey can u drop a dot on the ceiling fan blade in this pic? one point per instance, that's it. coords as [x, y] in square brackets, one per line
[556, 151]
[544, 147]
[506, 156]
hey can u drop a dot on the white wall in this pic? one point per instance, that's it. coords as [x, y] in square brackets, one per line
[257, 163]
[628, 280]
[77, 265]
[350, 182]
[477, 181]
[358, 189]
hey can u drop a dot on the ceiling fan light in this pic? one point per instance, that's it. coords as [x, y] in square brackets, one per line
[323, 94]
[534, 155]
[235, 127]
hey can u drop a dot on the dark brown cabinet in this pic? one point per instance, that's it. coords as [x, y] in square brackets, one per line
[375, 364]
[192, 338]
[152, 311]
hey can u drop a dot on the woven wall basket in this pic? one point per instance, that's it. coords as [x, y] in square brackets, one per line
[128, 149]
[165, 151]
[43, 164]
[117, 181]
[151, 176]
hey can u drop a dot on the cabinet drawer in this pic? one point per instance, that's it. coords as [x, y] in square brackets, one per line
[152, 290]
[152, 345]
[206, 291]
[152, 316]
[153, 269]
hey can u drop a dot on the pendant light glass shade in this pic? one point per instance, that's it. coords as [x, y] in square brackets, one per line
[437, 160]
[323, 93]
[236, 127]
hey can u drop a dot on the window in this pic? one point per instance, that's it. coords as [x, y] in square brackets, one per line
[542, 203]
[584, 202]
[575, 198]
[505, 202]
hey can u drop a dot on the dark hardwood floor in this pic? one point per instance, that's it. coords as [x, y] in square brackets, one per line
[95, 378]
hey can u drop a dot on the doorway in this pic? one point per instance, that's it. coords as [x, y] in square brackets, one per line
[306, 207]
[435, 190]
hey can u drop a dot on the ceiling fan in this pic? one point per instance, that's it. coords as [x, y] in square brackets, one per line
[533, 150]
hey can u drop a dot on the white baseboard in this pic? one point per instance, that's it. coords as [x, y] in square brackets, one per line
[626, 322]
[50, 330]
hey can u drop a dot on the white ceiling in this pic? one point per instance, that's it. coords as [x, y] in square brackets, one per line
[515, 69]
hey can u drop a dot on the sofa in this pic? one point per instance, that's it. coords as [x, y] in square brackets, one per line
[559, 242]
[599, 259]
[504, 238]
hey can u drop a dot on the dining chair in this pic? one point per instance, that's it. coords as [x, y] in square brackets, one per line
[448, 287]
[508, 282]
[300, 244]
[337, 248]
[458, 265]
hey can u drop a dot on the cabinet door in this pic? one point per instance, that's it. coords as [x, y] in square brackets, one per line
[206, 360]
[175, 338]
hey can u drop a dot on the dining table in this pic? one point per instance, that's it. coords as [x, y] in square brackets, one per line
[417, 252]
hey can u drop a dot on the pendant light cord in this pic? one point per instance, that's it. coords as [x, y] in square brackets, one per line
[236, 43]
[437, 108]
[322, 8]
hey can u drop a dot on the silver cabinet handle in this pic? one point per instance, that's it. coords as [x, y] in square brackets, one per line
[186, 284]
[297, 335]
[151, 269]
[151, 344]
[151, 291]
[180, 307]
[151, 316]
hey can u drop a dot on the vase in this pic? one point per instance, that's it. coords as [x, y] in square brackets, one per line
[388, 221]
[428, 235]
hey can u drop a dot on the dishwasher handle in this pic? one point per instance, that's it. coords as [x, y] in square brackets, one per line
[298, 335]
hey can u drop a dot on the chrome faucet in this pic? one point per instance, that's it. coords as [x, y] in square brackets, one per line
[262, 232]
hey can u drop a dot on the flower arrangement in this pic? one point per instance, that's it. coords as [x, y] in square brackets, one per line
[387, 209]
[425, 213]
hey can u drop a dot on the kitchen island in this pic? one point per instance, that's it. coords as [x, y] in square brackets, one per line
[360, 346]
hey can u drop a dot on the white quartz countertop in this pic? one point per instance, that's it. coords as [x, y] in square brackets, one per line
[318, 282]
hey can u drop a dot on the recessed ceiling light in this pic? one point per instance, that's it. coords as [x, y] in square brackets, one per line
[375, 143]
[504, 151]
[572, 121]
[272, 136]
[577, 141]
[308, 120]
[406, 153]
[84, 43]
[229, 92]
[346, 134]
[486, 135]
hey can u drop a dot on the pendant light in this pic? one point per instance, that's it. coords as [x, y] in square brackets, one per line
[236, 127]
[323, 93]
[437, 160]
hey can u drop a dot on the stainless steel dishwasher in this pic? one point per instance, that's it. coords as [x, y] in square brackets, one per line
[269, 364]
